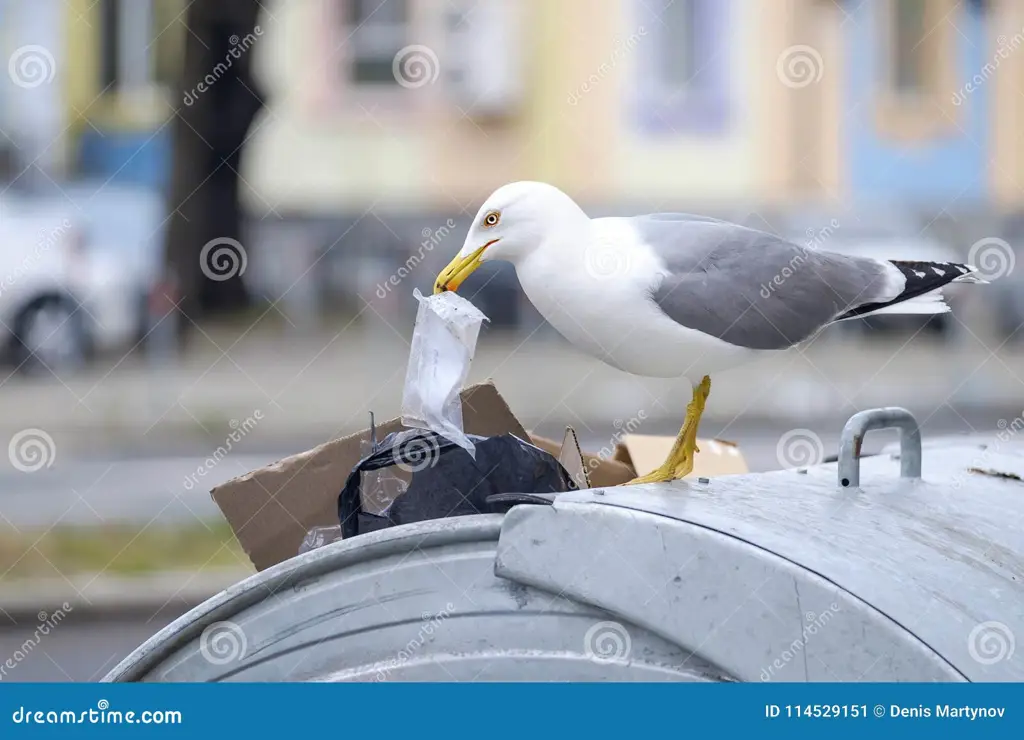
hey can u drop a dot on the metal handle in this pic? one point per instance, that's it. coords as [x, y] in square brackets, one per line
[860, 424]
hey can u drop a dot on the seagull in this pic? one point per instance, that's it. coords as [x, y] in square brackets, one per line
[672, 295]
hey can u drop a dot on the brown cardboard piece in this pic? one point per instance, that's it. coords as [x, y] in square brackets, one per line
[271, 509]
[645, 452]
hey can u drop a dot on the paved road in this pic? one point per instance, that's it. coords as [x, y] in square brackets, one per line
[116, 488]
[76, 649]
[109, 490]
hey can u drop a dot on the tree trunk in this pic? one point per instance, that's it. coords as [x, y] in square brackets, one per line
[217, 103]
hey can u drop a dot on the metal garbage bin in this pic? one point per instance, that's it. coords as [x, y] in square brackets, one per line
[783, 576]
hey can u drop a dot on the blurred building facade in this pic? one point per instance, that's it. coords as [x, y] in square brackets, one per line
[385, 120]
[90, 86]
[421, 104]
[689, 103]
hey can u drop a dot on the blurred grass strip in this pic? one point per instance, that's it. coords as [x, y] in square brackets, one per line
[117, 550]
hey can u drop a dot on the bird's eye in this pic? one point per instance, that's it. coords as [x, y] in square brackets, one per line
[492, 218]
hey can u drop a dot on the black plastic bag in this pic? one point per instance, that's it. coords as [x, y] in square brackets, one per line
[447, 481]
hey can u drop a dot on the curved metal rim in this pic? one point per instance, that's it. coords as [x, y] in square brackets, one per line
[255, 588]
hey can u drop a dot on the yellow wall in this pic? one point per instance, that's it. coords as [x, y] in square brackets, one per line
[321, 147]
[81, 46]
[87, 103]
[326, 148]
[1006, 162]
[693, 167]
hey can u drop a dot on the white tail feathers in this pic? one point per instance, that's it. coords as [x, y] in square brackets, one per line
[928, 304]
[971, 277]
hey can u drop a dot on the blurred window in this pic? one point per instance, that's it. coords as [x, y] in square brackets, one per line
[918, 49]
[910, 46]
[379, 30]
[140, 43]
[682, 65]
[677, 58]
[126, 33]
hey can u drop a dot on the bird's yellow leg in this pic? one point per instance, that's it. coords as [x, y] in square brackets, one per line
[679, 462]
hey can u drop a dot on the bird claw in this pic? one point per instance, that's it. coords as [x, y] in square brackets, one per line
[666, 473]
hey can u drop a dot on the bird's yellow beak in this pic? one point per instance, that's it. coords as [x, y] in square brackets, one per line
[458, 270]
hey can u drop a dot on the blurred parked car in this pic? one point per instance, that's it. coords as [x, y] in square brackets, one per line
[883, 235]
[75, 271]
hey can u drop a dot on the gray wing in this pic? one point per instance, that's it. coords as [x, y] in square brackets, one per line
[750, 288]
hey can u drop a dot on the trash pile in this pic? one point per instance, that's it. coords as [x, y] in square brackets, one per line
[454, 451]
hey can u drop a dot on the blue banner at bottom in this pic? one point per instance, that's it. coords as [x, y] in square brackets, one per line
[510, 710]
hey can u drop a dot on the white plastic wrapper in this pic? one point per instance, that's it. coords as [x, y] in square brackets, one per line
[317, 537]
[443, 343]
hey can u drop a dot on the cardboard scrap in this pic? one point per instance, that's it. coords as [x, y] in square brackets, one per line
[271, 509]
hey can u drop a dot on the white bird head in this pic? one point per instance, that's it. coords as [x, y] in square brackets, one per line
[514, 221]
